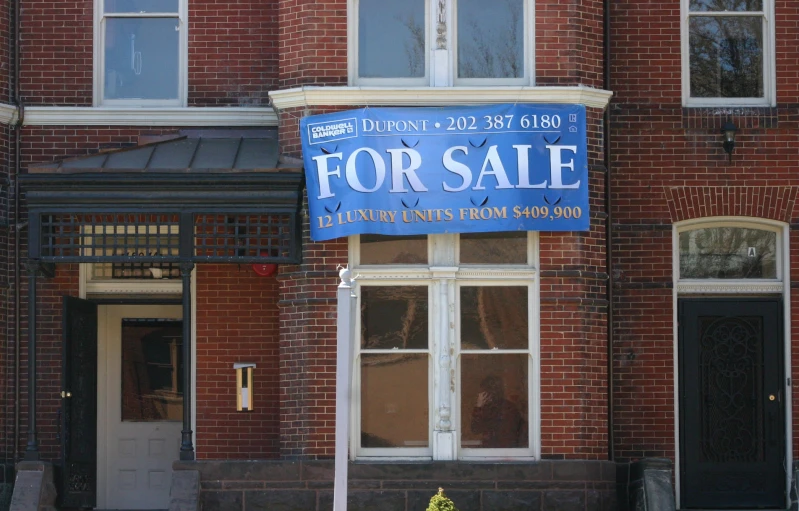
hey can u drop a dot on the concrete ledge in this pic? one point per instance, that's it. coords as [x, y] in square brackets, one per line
[34, 489]
[646, 486]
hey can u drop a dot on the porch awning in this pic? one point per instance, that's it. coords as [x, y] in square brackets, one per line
[222, 198]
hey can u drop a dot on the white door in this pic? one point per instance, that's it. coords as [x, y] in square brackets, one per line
[139, 405]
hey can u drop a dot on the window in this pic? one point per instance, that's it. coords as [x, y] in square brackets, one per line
[728, 52]
[391, 42]
[728, 252]
[447, 343]
[141, 56]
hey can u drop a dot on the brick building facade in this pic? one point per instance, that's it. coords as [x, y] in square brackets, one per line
[152, 151]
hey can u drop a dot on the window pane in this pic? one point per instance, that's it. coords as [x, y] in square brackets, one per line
[494, 397]
[394, 406]
[728, 253]
[141, 58]
[394, 317]
[494, 318]
[378, 249]
[391, 39]
[726, 57]
[491, 41]
[152, 370]
[141, 6]
[727, 5]
[494, 248]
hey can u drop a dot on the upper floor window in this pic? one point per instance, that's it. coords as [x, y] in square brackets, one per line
[140, 58]
[423, 42]
[728, 52]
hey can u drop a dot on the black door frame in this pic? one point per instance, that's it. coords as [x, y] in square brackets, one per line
[779, 382]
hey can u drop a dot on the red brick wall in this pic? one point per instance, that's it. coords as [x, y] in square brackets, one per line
[568, 43]
[312, 42]
[668, 165]
[308, 350]
[237, 321]
[48, 357]
[233, 52]
[45, 144]
[573, 354]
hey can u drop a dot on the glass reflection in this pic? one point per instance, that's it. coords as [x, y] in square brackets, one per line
[391, 39]
[141, 58]
[494, 397]
[494, 318]
[726, 5]
[379, 249]
[728, 253]
[494, 248]
[152, 370]
[140, 6]
[394, 317]
[726, 57]
[490, 41]
[394, 402]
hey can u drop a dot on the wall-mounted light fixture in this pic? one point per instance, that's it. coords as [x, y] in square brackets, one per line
[244, 388]
[728, 130]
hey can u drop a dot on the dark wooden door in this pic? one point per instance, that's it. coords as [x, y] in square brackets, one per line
[732, 426]
[78, 481]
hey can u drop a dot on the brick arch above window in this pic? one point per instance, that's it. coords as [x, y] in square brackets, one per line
[768, 202]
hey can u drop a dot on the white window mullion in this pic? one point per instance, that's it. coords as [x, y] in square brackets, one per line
[444, 436]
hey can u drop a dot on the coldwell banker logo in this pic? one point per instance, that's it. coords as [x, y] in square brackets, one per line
[321, 132]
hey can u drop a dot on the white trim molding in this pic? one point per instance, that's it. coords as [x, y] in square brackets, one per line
[309, 96]
[737, 287]
[134, 116]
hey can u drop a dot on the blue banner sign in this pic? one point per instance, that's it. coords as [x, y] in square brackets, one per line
[400, 171]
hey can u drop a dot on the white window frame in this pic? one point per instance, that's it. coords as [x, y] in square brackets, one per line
[769, 65]
[780, 286]
[441, 63]
[100, 18]
[444, 278]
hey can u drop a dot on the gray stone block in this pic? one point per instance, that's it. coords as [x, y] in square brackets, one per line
[564, 501]
[374, 500]
[184, 492]
[510, 500]
[221, 500]
[279, 500]
[368, 501]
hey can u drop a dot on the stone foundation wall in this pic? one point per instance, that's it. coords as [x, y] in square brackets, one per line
[473, 486]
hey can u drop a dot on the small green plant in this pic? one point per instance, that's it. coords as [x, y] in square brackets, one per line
[440, 502]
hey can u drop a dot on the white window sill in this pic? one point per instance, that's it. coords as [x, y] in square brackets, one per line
[140, 116]
[436, 96]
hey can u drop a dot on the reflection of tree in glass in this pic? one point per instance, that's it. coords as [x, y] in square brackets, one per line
[728, 252]
[726, 56]
[414, 46]
[491, 52]
[394, 317]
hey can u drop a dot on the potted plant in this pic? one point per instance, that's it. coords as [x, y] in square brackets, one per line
[440, 502]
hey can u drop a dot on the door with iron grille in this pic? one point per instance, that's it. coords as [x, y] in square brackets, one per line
[78, 481]
[732, 427]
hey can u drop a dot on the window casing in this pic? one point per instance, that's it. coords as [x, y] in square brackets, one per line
[433, 333]
[441, 42]
[140, 53]
[728, 52]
